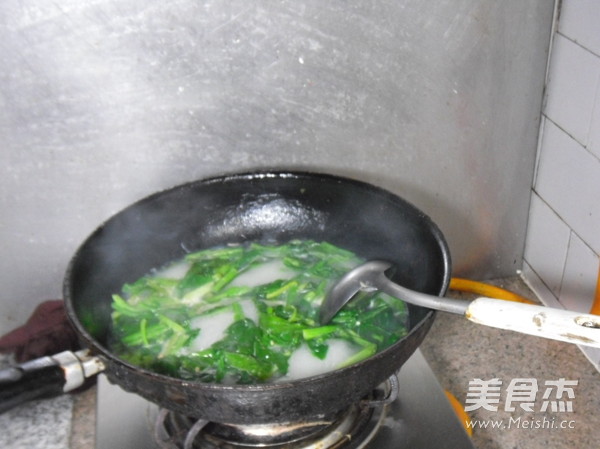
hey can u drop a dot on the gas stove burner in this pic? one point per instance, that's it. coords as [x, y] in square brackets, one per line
[420, 418]
[348, 429]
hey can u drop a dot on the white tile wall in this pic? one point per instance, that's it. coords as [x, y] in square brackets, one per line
[549, 260]
[565, 209]
[579, 20]
[573, 81]
[594, 143]
[563, 238]
[577, 292]
[568, 179]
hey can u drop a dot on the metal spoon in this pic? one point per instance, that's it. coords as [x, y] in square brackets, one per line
[541, 321]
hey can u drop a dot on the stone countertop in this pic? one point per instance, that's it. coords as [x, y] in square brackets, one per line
[458, 352]
[37, 424]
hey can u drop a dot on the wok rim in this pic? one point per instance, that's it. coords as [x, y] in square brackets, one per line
[109, 358]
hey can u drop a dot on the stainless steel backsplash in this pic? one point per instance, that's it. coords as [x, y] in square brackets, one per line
[103, 102]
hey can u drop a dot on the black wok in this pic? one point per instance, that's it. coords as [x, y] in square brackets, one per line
[264, 207]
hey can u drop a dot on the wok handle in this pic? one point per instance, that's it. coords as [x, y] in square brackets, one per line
[46, 377]
[540, 321]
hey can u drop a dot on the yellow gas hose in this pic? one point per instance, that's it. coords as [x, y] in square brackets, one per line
[491, 291]
[460, 412]
[595, 310]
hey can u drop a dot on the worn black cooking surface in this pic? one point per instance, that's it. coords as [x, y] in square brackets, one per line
[264, 207]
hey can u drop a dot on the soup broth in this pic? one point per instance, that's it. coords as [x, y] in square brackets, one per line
[249, 314]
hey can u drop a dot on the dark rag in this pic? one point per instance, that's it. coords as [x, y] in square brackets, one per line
[46, 332]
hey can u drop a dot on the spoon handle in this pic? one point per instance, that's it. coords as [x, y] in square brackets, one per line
[441, 303]
[540, 321]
